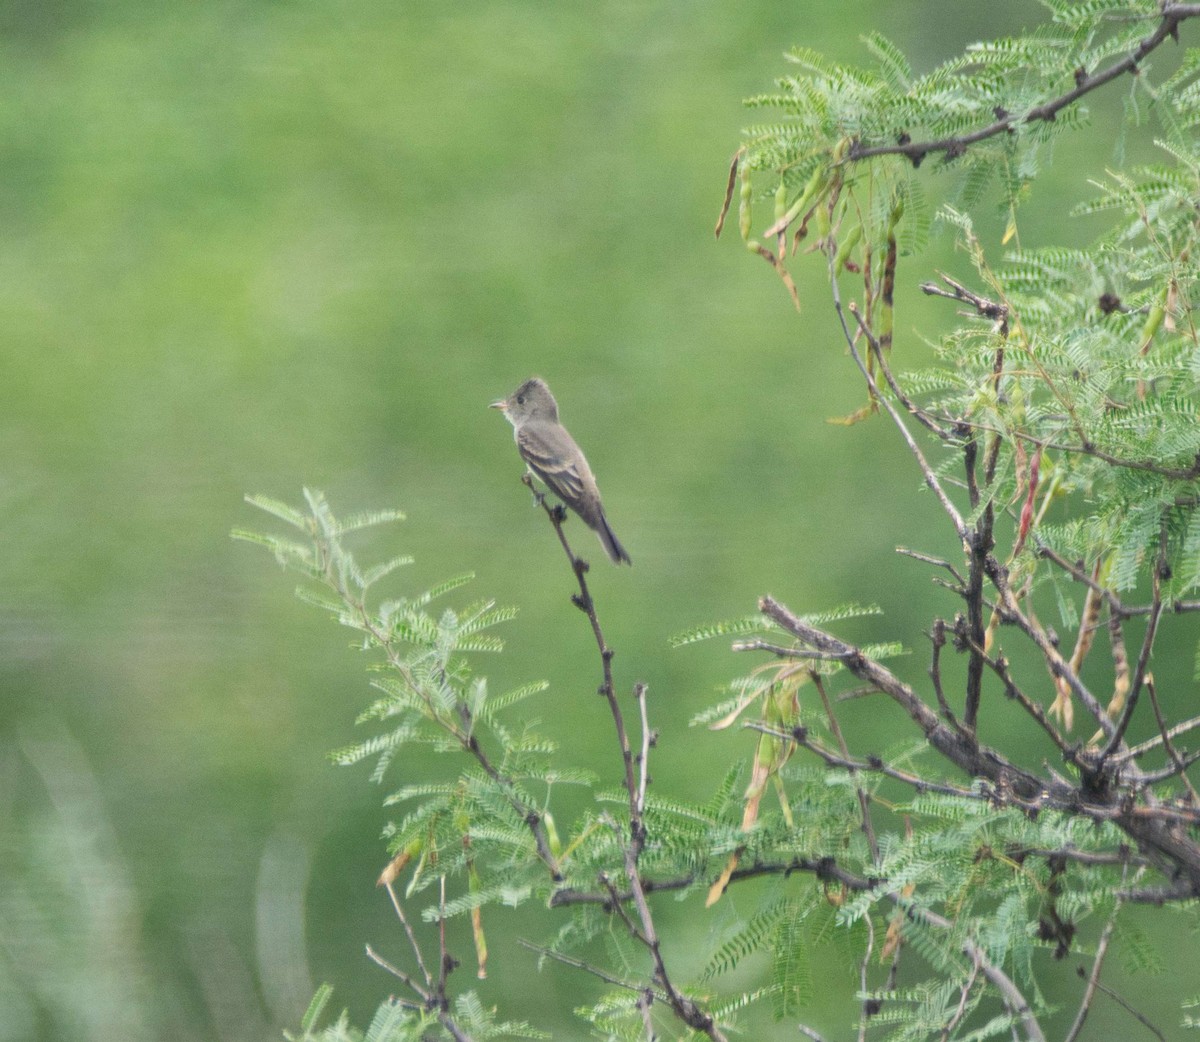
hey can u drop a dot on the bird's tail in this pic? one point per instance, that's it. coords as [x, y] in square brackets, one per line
[610, 542]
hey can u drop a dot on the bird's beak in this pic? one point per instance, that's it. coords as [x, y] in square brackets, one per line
[499, 405]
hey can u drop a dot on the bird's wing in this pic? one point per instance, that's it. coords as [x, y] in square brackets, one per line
[555, 458]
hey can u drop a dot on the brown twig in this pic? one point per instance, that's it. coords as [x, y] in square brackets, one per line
[1009, 992]
[404, 979]
[408, 930]
[1123, 855]
[986, 308]
[1180, 766]
[434, 1001]
[1055, 663]
[1080, 575]
[937, 637]
[978, 547]
[873, 764]
[758, 644]
[864, 800]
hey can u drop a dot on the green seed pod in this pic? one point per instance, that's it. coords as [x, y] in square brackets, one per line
[822, 215]
[747, 194]
[812, 191]
[849, 241]
[1154, 321]
[552, 834]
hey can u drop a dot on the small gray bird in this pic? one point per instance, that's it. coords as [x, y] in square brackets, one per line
[551, 453]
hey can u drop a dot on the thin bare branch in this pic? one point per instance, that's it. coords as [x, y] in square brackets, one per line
[401, 976]
[1094, 977]
[1152, 743]
[997, 311]
[825, 869]
[931, 479]
[1179, 764]
[937, 637]
[937, 562]
[757, 644]
[645, 1003]
[1139, 1017]
[873, 765]
[579, 964]
[639, 692]
[1057, 665]
[445, 965]
[920, 415]
[964, 995]
[999, 666]
[974, 759]
[430, 1001]
[1080, 575]
[1000, 980]
[412, 939]
[868, 950]
[1122, 856]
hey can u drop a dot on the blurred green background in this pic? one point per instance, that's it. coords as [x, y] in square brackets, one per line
[247, 247]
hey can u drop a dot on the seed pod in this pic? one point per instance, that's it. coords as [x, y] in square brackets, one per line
[744, 205]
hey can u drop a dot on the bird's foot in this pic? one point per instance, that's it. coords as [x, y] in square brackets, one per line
[538, 497]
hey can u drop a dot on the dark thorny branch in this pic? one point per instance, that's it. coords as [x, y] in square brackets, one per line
[825, 868]
[636, 767]
[1171, 14]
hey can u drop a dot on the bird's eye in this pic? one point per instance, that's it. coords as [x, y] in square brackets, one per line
[520, 399]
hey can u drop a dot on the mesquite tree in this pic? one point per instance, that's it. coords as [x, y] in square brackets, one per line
[1058, 431]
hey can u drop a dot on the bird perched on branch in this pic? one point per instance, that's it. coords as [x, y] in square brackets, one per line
[551, 453]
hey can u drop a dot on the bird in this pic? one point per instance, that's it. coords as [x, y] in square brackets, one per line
[551, 453]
